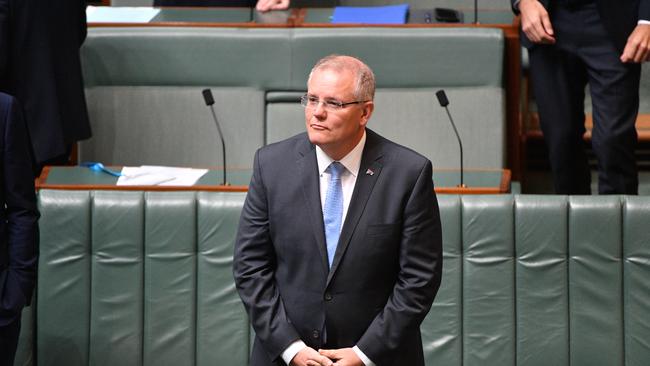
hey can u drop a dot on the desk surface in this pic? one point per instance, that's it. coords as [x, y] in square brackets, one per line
[193, 16]
[80, 178]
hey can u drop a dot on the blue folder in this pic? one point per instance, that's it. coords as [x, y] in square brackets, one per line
[390, 14]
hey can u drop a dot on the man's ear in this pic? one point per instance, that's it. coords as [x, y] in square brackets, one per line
[366, 112]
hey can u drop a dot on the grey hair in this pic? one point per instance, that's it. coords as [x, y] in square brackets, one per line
[365, 88]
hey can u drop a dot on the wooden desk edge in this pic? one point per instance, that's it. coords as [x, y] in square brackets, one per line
[40, 184]
[110, 187]
[106, 187]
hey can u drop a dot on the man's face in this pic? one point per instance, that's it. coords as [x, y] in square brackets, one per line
[337, 132]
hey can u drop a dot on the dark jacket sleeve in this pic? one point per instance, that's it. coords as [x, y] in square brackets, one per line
[254, 268]
[20, 212]
[420, 274]
[644, 10]
[515, 9]
[4, 39]
[83, 24]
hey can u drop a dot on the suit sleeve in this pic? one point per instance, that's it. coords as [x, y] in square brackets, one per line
[83, 23]
[4, 39]
[644, 10]
[254, 270]
[515, 7]
[420, 261]
[20, 212]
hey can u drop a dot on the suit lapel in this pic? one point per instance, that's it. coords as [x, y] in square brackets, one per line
[308, 173]
[369, 172]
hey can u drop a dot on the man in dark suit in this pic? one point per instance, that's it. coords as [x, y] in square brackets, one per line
[40, 66]
[339, 245]
[572, 43]
[18, 226]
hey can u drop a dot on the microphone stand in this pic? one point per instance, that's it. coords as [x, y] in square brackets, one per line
[209, 101]
[460, 144]
[444, 102]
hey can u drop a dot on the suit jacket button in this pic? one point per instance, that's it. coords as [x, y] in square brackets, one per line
[315, 334]
[328, 296]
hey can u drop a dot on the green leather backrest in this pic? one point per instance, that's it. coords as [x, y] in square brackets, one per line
[542, 280]
[167, 56]
[406, 58]
[132, 278]
[136, 125]
[410, 65]
[143, 89]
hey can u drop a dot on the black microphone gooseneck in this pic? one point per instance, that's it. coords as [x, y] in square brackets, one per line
[444, 102]
[209, 101]
[475, 11]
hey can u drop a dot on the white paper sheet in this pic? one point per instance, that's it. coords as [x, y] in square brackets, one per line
[110, 14]
[159, 175]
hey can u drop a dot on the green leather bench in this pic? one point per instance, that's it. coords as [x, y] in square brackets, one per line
[143, 87]
[133, 278]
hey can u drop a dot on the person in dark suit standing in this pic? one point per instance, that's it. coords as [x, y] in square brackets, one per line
[338, 254]
[602, 43]
[19, 226]
[40, 66]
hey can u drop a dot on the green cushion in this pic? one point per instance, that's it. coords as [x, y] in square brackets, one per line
[596, 280]
[134, 56]
[541, 278]
[407, 58]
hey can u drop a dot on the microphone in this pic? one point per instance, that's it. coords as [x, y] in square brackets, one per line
[444, 102]
[209, 101]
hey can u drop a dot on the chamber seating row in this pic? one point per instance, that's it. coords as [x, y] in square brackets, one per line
[133, 278]
[143, 87]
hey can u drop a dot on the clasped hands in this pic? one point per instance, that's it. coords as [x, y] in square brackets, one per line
[335, 357]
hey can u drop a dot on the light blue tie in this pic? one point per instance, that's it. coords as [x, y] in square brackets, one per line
[333, 210]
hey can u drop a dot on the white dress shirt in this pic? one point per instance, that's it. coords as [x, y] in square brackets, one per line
[351, 162]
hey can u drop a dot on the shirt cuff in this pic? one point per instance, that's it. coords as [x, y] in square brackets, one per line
[644, 22]
[291, 351]
[366, 361]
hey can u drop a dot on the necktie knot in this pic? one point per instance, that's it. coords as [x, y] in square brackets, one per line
[336, 169]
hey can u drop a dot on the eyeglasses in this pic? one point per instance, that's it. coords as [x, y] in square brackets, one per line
[330, 105]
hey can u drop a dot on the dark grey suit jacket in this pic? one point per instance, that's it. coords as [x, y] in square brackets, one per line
[18, 216]
[40, 66]
[619, 17]
[386, 270]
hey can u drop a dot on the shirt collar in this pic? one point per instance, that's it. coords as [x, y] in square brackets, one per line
[351, 161]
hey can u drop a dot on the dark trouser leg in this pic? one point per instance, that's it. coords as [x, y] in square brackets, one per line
[615, 96]
[559, 79]
[9, 342]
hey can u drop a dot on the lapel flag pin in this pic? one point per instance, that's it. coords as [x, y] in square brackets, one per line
[370, 172]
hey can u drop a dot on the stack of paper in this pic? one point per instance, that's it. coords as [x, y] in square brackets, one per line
[151, 175]
[112, 14]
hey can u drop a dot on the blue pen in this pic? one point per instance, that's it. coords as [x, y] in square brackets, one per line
[99, 167]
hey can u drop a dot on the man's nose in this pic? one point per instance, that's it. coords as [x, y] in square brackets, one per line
[319, 109]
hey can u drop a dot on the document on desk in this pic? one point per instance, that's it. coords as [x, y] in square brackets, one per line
[389, 14]
[110, 14]
[153, 175]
